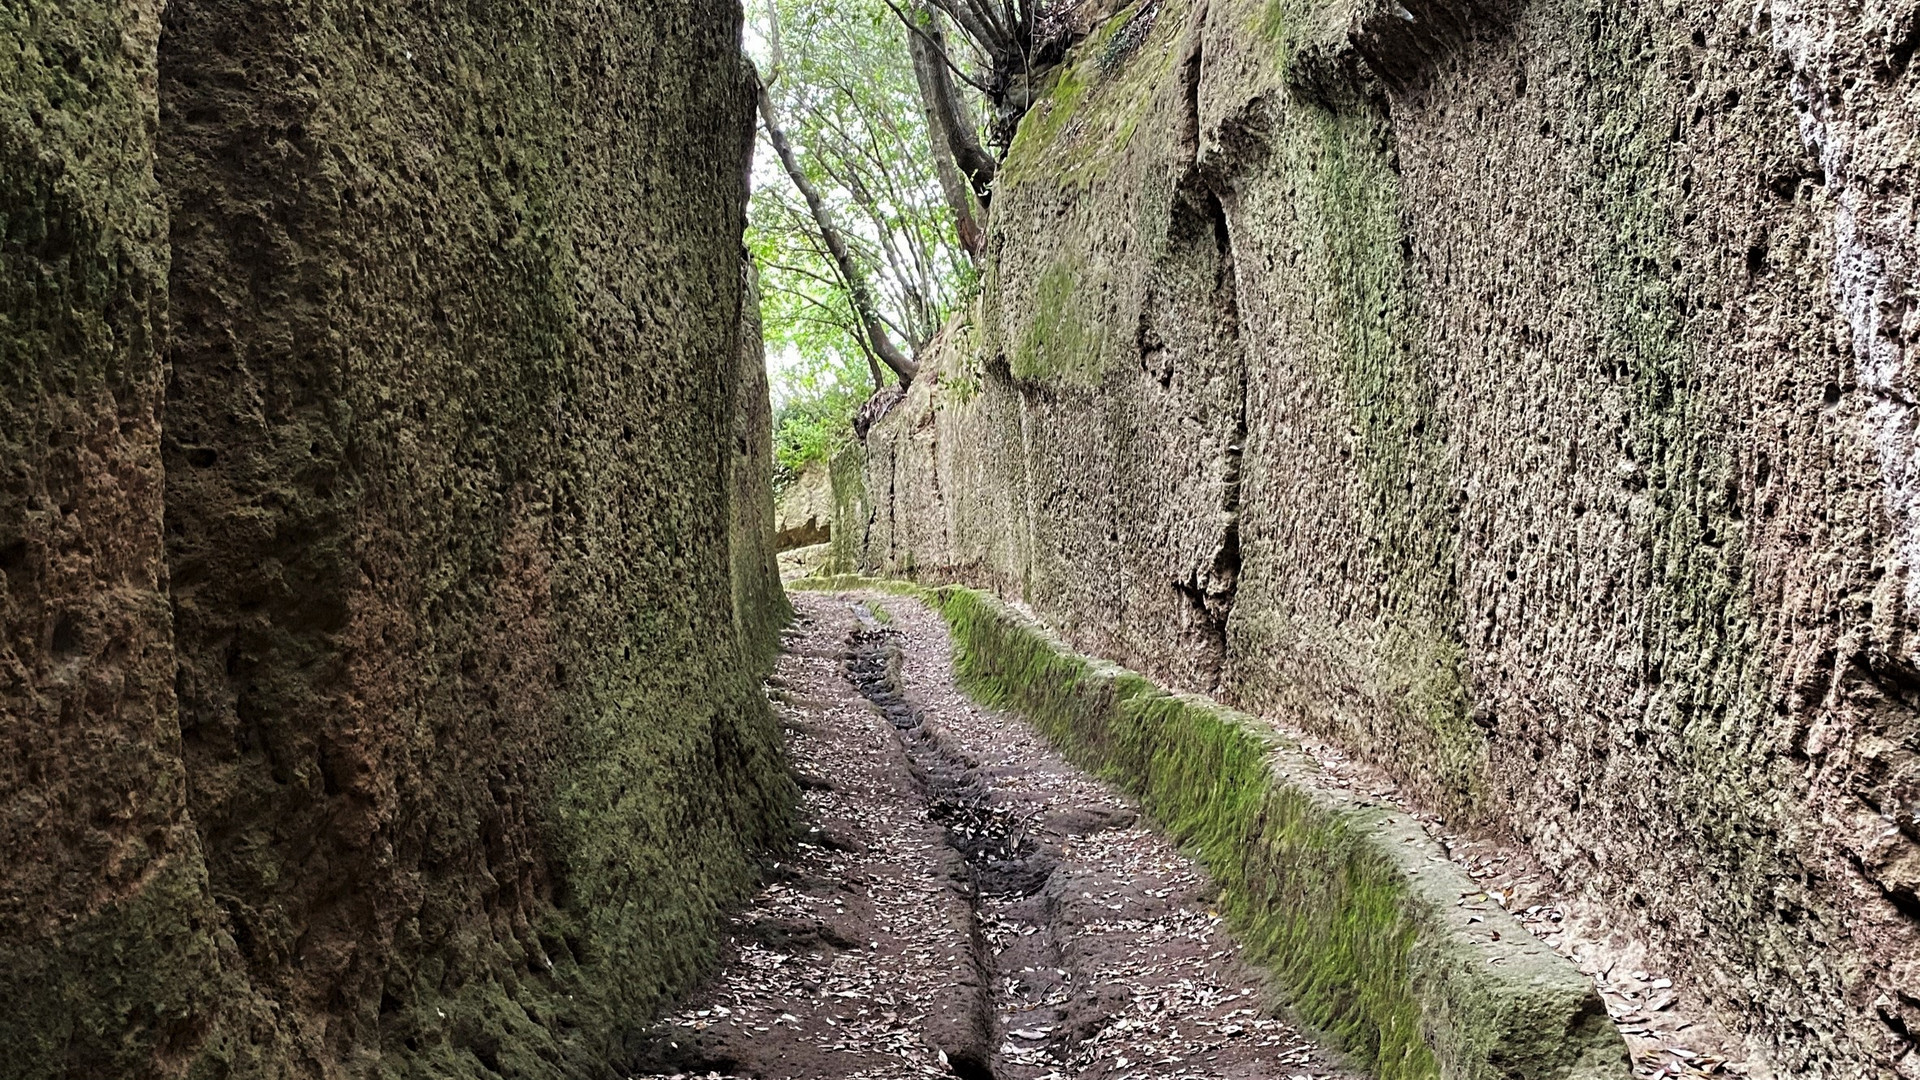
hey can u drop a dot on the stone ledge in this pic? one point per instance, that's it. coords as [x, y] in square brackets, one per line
[1367, 928]
[1348, 42]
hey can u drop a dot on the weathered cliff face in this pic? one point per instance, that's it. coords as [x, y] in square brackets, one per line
[803, 513]
[759, 603]
[1514, 393]
[425, 738]
[103, 895]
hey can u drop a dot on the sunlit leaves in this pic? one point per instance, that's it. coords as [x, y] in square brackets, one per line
[845, 90]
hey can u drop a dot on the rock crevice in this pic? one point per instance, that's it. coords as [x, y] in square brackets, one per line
[1559, 395]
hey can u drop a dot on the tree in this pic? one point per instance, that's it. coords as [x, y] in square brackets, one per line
[853, 276]
[863, 232]
[1000, 37]
[862, 227]
[951, 127]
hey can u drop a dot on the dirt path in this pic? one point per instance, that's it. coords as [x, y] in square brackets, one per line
[970, 904]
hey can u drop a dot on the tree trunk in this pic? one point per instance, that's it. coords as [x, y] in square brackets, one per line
[961, 197]
[850, 271]
[947, 113]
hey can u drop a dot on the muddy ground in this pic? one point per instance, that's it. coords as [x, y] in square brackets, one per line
[966, 903]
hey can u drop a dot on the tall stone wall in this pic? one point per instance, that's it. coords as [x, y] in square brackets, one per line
[382, 636]
[1511, 392]
[103, 892]
[759, 602]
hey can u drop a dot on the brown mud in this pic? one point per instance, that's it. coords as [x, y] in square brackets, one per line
[963, 902]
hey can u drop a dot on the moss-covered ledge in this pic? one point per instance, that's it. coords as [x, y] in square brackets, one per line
[1367, 928]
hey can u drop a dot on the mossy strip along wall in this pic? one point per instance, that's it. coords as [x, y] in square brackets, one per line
[1362, 923]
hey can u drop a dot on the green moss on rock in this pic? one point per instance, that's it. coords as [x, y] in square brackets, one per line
[760, 607]
[1084, 120]
[138, 978]
[1060, 342]
[428, 740]
[1362, 923]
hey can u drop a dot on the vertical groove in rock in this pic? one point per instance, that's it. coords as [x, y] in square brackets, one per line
[106, 961]
[1575, 483]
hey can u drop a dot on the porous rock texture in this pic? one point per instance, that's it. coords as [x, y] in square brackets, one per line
[803, 511]
[1515, 393]
[424, 737]
[104, 906]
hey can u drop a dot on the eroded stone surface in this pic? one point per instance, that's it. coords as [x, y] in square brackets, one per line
[103, 894]
[1526, 420]
[804, 510]
[380, 637]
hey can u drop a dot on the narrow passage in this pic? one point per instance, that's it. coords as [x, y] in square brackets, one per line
[967, 903]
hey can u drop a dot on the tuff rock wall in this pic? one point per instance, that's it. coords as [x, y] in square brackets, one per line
[1516, 393]
[104, 903]
[385, 532]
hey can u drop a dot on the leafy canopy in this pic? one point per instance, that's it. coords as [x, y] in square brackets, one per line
[841, 77]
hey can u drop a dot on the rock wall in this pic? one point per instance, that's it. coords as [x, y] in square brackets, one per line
[103, 893]
[1512, 392]
[803, 512]
[381, 637]
[759, 603]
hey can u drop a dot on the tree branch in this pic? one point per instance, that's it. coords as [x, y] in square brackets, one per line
[857, 288]
[773, 40]
[947, 116]
[945, 57]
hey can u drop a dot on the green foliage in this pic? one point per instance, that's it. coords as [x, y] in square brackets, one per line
[814, 420]
[842, 80]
